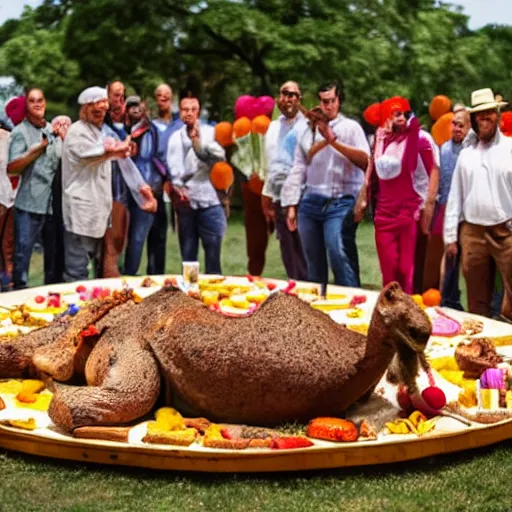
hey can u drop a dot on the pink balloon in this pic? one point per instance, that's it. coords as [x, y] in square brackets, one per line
[251, 107]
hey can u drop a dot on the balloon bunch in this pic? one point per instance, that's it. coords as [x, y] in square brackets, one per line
[252, 122]
[440, 110]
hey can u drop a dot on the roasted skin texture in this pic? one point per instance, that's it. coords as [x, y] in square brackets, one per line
[122, 376]
[476, 357]
[64, 356]
[287, 361]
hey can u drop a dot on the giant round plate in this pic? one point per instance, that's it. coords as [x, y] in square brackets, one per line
[449, 436]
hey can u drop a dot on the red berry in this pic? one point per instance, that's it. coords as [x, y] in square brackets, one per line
[434, 397]
[105, 293]
[404, 399]
[39, 299]
[81, 288]
[54, 302]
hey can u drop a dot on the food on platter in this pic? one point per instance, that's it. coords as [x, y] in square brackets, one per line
[417, 423]
[472, 326]
[172, 332]
[2, 404]
[442, 324]
[477, 356]
[332, 429]
[117, 434]
[120, 348]
[330, 304]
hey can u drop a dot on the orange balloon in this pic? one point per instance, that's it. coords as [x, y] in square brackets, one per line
[442, 129]
[222, 176]
[439, 106]
[255, 184]
[224, 134]
[242, 127]
[260, 124]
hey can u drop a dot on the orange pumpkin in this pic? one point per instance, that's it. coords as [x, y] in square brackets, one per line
[439, 106]
[260, 124]
[224, 134]
[442, 129]
[222, 176]
[255, 184]
[242, 127]
[432, 298]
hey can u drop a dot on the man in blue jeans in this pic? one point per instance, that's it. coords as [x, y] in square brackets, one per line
[191, 154]
[328, 169]
[34, 152]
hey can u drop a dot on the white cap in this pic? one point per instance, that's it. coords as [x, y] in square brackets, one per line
[92, 95]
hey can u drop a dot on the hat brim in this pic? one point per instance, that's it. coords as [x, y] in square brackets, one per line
[487, 106]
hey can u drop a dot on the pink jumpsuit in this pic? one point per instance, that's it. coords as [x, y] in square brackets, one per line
[402, 188]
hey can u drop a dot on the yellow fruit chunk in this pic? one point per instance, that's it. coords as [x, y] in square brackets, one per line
[256, 296]
[167, 419]
[419, 300]
[210, 297]
[239, 301]
[214, 431]
[444, 363]
[29, 388]
[29, 424]
[11, 387]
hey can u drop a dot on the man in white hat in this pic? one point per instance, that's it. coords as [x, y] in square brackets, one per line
[86, 185]
[480, 199]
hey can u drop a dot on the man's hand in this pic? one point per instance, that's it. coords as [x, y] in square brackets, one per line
[326, 132]
[361, 204]
[426, 217]
[451, 250]
[291, 218]
[193, 131]
[179, 196]
[268, 209]
[315, 148]
[150, 203]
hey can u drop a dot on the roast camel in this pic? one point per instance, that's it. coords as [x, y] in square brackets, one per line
[286, 362]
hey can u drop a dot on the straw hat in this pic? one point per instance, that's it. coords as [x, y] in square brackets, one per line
[483, 99]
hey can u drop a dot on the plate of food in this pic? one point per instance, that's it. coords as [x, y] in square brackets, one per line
[168, 379]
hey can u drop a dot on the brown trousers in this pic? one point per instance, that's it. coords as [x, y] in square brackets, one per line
[7, 244]
[433, 262]
[482, 247]
[256, 231]
[115, 240]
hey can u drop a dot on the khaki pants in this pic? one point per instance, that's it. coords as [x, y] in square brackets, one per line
[482, 246]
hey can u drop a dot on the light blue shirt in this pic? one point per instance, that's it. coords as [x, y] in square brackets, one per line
[35, 190]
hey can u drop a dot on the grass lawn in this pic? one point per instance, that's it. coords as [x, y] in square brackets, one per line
[478, 480]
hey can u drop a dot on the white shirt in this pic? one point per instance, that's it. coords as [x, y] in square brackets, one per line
[330, 174]
[191, 169]
[481, 189]
[279, 162]
[86, 185]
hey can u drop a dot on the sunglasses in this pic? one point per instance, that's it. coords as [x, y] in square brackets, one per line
[290, 94]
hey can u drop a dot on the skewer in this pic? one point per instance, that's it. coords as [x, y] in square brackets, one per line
[457, 417]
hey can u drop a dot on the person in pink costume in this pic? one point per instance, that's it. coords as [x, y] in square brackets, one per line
[402, 160]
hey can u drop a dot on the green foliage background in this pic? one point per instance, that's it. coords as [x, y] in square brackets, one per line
[221, 49]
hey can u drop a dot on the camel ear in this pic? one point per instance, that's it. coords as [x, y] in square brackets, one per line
[392, 293]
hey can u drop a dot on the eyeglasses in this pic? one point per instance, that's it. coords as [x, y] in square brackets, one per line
[289, 94]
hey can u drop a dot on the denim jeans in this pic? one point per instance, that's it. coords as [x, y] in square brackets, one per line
[27, 228]
[450, 290]
[328, 234]
[157, 239]
[207, 225]
[141, 223]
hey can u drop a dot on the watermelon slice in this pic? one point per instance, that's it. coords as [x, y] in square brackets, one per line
[444, 325]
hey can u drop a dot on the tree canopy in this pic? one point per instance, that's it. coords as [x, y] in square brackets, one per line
[220, 49]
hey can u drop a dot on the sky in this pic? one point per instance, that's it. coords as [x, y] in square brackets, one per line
[481, 12]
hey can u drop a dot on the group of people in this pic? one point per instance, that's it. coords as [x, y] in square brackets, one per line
[95, 189]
